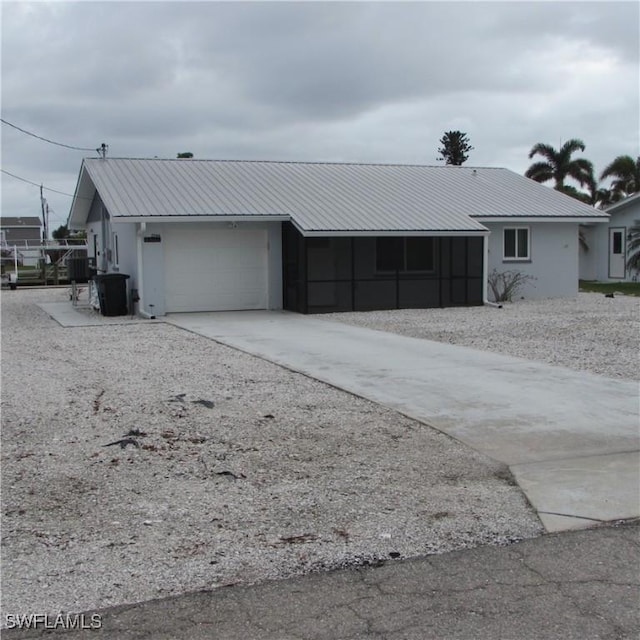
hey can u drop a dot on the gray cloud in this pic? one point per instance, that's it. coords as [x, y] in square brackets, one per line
[373, 82]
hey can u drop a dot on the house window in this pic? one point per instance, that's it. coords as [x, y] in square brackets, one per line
[516, 243]
[405, 254]
[617, 242]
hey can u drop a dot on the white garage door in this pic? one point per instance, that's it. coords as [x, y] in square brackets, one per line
[215, 269]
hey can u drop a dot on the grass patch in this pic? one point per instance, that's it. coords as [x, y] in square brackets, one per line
[628, 288]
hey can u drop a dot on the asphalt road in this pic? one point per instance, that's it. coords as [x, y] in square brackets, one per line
[573, 585]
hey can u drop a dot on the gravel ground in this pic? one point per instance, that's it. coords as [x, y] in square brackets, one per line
[589, 333]
[238, 470]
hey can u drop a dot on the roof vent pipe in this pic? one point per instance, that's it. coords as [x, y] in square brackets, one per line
[102, 150]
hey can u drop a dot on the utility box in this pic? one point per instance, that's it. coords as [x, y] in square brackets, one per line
[112, 293]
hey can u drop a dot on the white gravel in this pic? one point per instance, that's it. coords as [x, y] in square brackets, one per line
[589, 333]
[281, 476]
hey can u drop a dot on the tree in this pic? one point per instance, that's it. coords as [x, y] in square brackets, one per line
[558, 165]
[597, 196]
[578, 195]
[60, 233]
[625, 172]
[633, 247]
[185, 154]
[455, 147]
[72, 237]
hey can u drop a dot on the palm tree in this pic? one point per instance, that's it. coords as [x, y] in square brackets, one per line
[558, 165]
[625, 172]
[633, 248]
[598, 197]
[587, 198]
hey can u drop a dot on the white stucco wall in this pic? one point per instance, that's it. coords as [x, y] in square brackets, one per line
[95, 234]
[274, 230]
[150, 270]
[588, 259]
[553, 258]
[127, 260]
[594, 264]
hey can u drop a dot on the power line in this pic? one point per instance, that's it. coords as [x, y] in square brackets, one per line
[35, 184]
[59, 144]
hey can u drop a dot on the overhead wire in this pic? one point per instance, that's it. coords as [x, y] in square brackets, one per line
[59, 144]
[35, 184]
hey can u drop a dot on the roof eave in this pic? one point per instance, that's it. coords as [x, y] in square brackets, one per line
[121, 218]
[116, 218]
[392, 232]
[82, 199]
[628, 201]
[523, 219]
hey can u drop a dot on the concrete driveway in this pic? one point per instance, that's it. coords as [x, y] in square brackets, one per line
[570, 438]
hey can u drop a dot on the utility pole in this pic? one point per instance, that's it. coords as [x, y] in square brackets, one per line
[44, 219]
[45, 234]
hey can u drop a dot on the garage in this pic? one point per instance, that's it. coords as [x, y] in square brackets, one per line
[214, 269]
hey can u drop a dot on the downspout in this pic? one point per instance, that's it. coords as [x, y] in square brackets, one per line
[485, 271]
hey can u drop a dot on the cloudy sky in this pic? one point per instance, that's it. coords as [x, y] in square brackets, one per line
[311, 81]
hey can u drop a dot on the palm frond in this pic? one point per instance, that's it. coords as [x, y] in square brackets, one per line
[540, 172]
[582, 239]
[625, 172]
[544, 150]
[574, 193]
[580, 170]
[622, 168]
[633, 247]
[571, 146]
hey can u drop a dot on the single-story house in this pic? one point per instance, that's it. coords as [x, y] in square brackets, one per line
[605, 256]
[208, 235]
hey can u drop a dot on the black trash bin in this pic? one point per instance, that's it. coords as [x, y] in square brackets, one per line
[112, 293]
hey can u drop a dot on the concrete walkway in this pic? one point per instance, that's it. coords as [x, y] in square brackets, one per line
[570, 438]
[578, 585]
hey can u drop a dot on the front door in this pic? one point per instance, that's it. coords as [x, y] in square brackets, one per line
[617, 254]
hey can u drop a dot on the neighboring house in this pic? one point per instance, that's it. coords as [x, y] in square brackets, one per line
[22, 232]
[605, 258]
[206, 235]
[23, 235]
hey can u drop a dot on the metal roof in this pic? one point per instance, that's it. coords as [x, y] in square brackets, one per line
[625, 202]
[28, 221]
[321, 197]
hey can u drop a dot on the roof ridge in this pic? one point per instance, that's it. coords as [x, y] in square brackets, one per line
[304, 162]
